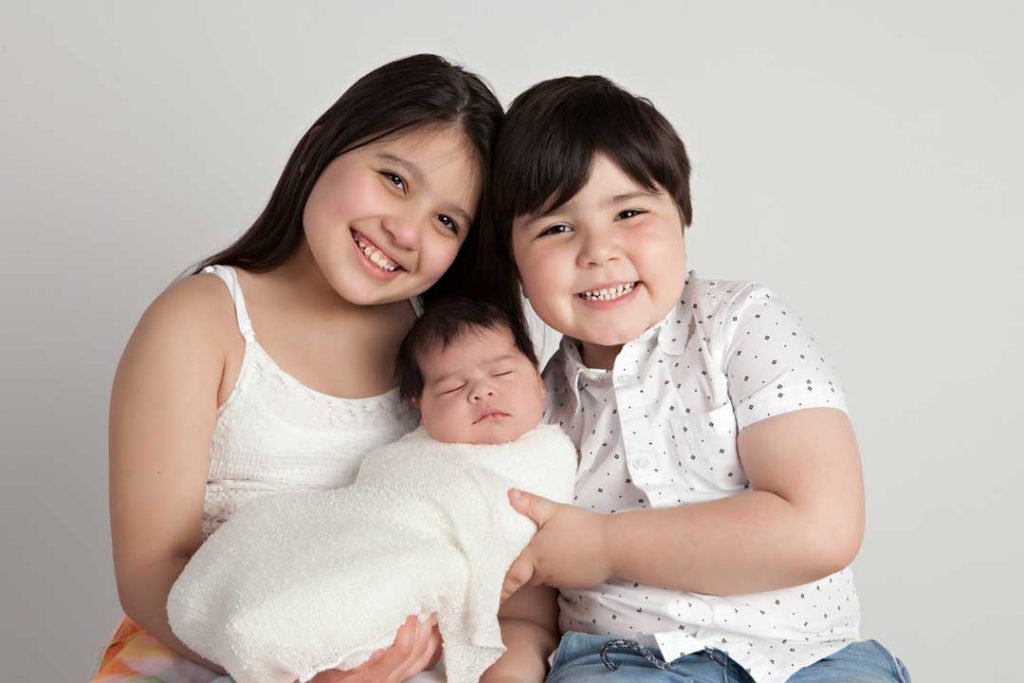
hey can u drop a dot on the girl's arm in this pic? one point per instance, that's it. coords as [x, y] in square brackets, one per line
[802, 520]
[162, 415]
[529, 629]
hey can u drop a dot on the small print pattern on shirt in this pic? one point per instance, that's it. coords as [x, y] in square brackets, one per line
[659, 430]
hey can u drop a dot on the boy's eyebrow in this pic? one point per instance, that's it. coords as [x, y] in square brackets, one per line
[639, 194]
[611, 201]
[419, 178]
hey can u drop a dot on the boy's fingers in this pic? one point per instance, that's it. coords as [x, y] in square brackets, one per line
[537, 508]
[518, 575]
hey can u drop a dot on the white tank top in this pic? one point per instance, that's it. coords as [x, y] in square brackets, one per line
[275, 434]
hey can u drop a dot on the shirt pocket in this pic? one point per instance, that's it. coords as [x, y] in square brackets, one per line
[706, 453]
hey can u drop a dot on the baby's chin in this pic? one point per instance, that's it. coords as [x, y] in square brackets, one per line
[488, 435]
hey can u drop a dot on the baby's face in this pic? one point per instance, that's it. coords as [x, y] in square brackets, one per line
[481, 389]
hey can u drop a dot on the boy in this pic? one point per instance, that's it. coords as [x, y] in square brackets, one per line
[718, 501]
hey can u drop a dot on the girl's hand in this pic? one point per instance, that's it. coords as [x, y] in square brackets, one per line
[417, 647]
[568, 551]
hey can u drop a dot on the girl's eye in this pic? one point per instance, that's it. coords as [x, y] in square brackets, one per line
[629, 213]
[555, 230]
[394, 179]
[449, 223]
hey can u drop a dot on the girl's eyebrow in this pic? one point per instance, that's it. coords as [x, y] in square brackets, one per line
[414, 171]
[409, 167]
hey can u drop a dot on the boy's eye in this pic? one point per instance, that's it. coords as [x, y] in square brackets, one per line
[449, 223]
[626, 214]
[555, 230]
[393, 179]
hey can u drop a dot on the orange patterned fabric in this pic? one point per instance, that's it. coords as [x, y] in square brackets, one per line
[134, 655]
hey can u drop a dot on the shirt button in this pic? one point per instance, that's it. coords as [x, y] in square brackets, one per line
[642, 463]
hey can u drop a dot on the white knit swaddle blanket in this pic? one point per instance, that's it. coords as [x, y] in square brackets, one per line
[297, 583]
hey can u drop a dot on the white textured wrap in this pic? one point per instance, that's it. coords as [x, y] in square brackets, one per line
[296, 583]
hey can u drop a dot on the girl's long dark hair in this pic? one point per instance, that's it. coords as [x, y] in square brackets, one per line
[422, 90]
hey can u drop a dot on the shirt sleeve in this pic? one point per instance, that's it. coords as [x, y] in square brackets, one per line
[772, 363]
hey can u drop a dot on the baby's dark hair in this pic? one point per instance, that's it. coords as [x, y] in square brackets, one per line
[442, 323]
[547, 143]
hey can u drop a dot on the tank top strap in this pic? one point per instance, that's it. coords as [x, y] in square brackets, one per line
[417, 306]
[230, 278]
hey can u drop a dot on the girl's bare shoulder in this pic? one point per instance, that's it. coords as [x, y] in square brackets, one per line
[195, 313]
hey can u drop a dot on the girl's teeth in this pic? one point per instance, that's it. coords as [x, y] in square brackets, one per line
[608, 293]
[376, 257]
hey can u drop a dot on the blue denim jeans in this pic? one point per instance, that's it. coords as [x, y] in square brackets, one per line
[587, 658]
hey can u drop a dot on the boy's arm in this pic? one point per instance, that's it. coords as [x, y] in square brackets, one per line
[529, 628]
[802, 520]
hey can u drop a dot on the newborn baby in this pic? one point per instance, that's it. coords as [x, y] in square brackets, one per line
[298, 583]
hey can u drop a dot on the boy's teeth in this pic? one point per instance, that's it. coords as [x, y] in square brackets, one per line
[377, 257]
[608, 293]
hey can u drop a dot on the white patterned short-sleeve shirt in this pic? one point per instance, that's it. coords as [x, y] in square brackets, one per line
[659, 430]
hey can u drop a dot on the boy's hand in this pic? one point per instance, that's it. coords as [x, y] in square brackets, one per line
[568, 551]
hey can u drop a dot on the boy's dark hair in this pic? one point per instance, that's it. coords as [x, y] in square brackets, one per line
[545, 147]
[443, 322]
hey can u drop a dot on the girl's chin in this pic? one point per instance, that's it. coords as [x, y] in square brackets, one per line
[376, 294]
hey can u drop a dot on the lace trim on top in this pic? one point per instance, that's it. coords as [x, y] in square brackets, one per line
[274, 433]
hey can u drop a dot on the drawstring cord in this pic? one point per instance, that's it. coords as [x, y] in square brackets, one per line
[631, 646]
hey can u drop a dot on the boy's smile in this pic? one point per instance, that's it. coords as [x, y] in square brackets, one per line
[606, 265]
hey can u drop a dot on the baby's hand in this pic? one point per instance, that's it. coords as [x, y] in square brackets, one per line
[568, 551]
[417, 647]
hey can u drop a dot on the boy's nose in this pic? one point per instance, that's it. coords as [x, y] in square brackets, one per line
[598, 251]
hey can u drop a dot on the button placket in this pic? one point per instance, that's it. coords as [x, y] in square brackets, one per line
[633, 425]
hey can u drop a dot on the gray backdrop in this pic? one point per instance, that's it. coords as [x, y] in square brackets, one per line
[863, 158]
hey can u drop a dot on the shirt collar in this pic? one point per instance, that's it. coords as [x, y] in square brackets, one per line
[675, 327]
[672, 332]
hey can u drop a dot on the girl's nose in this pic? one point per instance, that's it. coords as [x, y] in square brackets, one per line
[403, 230]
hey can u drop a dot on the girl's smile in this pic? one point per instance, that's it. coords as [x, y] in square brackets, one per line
[378, 263]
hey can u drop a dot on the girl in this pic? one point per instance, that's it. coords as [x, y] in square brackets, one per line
[718, 501]
[271, 367]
